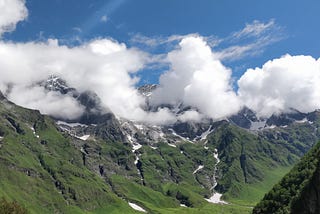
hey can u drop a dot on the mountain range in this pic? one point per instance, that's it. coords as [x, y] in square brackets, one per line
[100, 163]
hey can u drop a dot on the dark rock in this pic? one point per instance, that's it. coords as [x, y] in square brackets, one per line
[190, 129]
[285, 118]
[15, 125]
[244, 118]
[2, 97]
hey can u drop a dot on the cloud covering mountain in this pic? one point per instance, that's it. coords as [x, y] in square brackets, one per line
[281, 84]
[196, 77]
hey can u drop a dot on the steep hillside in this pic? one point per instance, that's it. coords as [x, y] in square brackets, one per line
[113, 165]
[298, 191]
[42, 170]
[250, 165]
[49, 170]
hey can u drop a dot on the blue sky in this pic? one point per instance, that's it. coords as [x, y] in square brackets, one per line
[295, 29]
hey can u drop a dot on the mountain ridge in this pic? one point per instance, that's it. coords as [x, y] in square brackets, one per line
[185, 163]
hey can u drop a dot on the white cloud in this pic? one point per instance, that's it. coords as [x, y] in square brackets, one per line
[155, 41]
[198, 79]
[104, 18]
[190, 115]
[11, 12]
[281, 84]
[254, 29]
[77, 29]
[252, 40]
[103, 66]
[51, 103]
[253, 48]
[107, 67]
[162, 116]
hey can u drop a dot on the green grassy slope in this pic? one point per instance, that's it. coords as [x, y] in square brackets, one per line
[250, 165]
[46, 174]
[289, 190]
[48, 171]
[45, 171]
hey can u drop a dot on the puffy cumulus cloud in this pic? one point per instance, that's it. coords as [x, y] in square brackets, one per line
[104, 66]
[107, 67]
[11, 12]
[290, 82]
[197, 78]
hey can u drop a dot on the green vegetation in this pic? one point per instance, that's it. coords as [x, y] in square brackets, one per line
[176, 165]
[47, 174]
[47, 171]
[286, 193]
[250, 164]
[50, 173]
[156, 202]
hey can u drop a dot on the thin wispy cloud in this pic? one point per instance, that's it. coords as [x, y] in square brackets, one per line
[255, 29]
[252, 40]
[102, 15]
[77, 29]
[254, 48]
[249, 41]
[170, 41]
[104, 18]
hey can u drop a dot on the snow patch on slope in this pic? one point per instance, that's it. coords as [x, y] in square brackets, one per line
[258, 125]
[34, 132]
[179, 136]
[216, 197]
[172, 145]
[84, 137]
[136, 207]
[199, 168]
